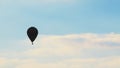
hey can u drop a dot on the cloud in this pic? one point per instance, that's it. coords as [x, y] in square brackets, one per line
[87, 40]
[109, 62]
[88, 44]
[87, 50]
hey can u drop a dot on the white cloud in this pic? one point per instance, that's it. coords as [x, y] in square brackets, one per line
[2, 61]
[65, 51]
[73, 45]
[87, 40]
[109, 62]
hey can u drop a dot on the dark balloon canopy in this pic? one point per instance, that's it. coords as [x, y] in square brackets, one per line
[32, 33]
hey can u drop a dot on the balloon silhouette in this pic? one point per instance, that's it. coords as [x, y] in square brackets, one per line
[32, 33]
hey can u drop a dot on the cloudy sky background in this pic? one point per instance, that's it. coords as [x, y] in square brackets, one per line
[72, 34]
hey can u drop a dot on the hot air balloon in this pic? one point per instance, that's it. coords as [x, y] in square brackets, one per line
[32, 33]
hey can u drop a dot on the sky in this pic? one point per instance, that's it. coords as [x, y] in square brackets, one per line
[72, 33]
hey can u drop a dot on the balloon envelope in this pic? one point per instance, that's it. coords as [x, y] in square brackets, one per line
[32, 33]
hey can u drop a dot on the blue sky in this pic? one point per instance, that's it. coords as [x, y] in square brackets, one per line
[97, 22]
[98, 16]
